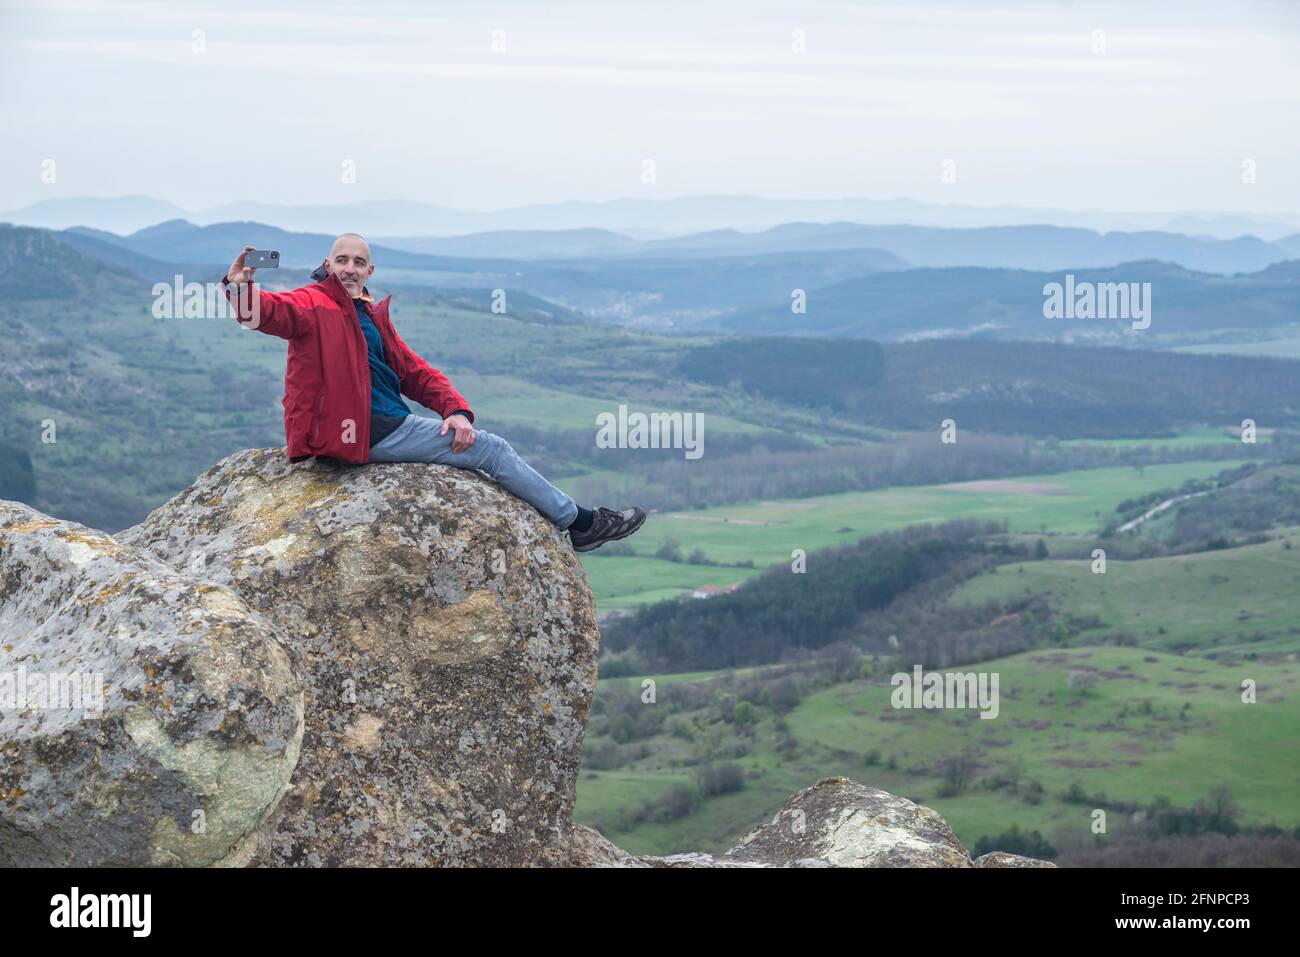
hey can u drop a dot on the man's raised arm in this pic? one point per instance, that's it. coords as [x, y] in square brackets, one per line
[275, 313]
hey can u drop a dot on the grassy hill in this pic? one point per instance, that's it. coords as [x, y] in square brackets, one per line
[767, 532]
[1153, 724]
[1008, 304]
[1244, 599]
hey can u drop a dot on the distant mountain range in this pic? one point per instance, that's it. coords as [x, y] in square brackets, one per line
[1009, 304]
[178, 240]
[663, 290]
[892, 247]
[638, 218]
[745, 284]
[1015, 247]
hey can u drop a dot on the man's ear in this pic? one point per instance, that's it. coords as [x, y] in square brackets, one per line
[322, 271]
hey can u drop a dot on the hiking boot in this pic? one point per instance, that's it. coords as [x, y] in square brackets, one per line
[607, 526]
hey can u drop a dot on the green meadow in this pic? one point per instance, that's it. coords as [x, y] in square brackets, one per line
[767, 532]
[1186, 438]
[1153, 724]
[1225, 599]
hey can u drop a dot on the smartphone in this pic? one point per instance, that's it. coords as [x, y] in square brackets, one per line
[262, 258]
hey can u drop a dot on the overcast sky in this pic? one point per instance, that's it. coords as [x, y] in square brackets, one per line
[271, 98]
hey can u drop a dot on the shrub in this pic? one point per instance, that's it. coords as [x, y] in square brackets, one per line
[719, 778]
[1015, 841]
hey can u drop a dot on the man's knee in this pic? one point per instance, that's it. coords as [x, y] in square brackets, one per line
[489, 445]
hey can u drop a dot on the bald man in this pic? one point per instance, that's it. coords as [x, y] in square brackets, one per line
[345, 376]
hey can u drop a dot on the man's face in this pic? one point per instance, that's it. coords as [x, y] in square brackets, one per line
[350, 261]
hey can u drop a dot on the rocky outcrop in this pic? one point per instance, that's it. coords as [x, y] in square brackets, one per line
[446, 640]
[1003, 859]
[307, 665]
[840, 823]
[593, 849]
[848, 824]
[146, 717]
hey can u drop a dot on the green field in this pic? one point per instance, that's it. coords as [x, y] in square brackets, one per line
[504, 399]
[767, 532]
[1226, 599]
[1187, 438]
[1127, 737]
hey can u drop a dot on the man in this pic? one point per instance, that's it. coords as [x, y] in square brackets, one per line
[347, 371]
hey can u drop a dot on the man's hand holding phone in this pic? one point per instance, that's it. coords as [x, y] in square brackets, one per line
[240, 274]
[247, 262]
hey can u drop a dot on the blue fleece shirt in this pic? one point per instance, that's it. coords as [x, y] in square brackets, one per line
[385, 387]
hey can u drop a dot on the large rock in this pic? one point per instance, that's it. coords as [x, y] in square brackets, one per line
[446, 640]
[146, 717]
[851, 825]
[1005, 859]
[379, 665]
[840, 823]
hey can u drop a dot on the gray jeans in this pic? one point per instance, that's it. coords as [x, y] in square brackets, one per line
[417, 440]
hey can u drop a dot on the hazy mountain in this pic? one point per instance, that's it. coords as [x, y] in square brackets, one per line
[1229, 226]
[1015, 247]
[397, 217]
[108, 248]
[862, 293]
[680, 289]
[37, 264]
[520, 244]
[120, 214]
[670, 216]
[221, 242]
[689, 291]
[1290, 243]
[1008, 304]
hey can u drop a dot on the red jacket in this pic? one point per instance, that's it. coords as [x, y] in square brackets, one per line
[327, 376]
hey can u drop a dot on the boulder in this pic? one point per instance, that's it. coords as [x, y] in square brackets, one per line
[1004, 859]
[445, 638]
[848, 824]
[839, 823]
[322, 665]
[146, 717]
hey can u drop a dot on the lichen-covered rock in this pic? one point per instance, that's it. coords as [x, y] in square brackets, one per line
[696, 859]
[851, 825]
[1004, 859]
[590, 848]
[314, 665]
[835, 823]
[446, 640]
[146, 717]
